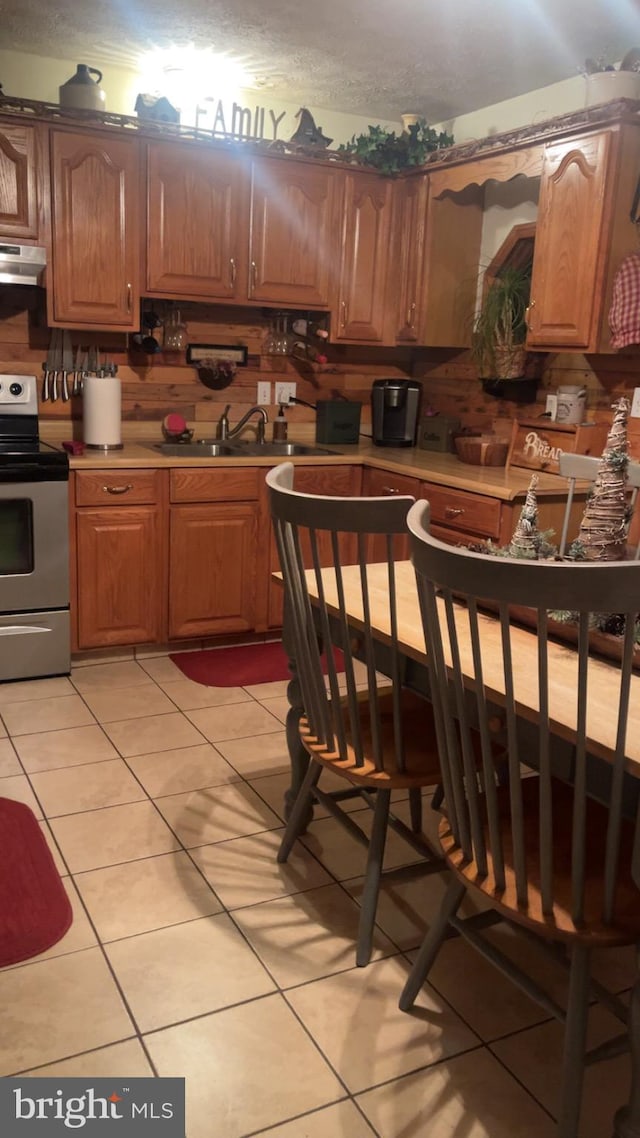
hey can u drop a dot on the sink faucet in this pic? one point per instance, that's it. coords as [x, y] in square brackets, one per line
[224, 432]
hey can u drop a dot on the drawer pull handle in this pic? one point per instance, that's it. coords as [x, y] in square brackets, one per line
[118, 489]
[232, 267]
[452, 512]
[343, 322]
[527, 310]
[390, 490]
[254, 276]
[129, 299]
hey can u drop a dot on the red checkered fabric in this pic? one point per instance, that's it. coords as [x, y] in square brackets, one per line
[624, 316]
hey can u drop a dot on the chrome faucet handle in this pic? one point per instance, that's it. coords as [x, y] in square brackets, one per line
[223, 423]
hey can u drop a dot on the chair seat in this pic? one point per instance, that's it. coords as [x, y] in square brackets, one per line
[559, 924]
[422, 766]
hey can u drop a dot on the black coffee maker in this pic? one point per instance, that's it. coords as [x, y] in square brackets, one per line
[394, 412]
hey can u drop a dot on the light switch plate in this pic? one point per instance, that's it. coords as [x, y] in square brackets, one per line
[551, 406]
[264, 393]
[285, 392]
[635, 403]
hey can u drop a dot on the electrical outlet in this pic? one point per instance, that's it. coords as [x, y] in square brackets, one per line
[635, 403]
[551, 406]
[285, 392]
[264, 393]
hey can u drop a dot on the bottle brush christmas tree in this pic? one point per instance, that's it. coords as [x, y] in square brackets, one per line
[603, 530]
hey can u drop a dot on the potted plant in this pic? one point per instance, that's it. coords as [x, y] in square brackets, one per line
[605, 81]
[499, 334]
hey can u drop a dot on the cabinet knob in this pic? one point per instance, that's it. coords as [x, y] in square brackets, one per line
[118, 489]
[452, 511]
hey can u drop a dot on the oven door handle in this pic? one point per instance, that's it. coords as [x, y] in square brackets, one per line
[22, 629]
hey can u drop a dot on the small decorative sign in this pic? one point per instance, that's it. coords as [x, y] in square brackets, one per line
[234, 353]
[537, 443]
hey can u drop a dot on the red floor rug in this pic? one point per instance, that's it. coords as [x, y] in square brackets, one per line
[35, 911]
[238, 667]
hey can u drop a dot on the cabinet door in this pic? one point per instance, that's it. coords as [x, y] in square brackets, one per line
[212, 559]
[119, 579]
[293, 222]
[18, 181]
[195, 221]
[406, 257]
[342, 481]
[567, 284]
[95, 231]
[363, 268]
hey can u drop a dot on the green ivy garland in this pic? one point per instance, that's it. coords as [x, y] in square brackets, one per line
[389, 153]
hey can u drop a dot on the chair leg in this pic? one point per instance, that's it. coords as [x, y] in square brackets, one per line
[431, 944]
[438, 797]
[415, 809]
[575, 1033]
[372, 877]
[299, 816]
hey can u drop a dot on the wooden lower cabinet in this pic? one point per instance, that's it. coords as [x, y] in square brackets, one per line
[212, 568]
[120, 549]
[382, 484]
[344, 481]
[213, 531]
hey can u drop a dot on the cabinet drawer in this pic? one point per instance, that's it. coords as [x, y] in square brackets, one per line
[193, 485]
[380, 483]
[470, 513]
[341, 481]
[117, 487]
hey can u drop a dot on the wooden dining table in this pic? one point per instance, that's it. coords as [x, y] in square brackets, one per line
[563, 674]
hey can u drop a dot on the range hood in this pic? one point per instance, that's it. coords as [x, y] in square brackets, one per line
[22, 264]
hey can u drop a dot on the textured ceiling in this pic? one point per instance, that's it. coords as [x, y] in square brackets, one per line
[369, 57]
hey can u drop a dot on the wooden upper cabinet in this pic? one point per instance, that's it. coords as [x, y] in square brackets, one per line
[196, 222]
[570, 243]
[95, 231]
[361, 301]
[293, 224]
[406, 257]
[19, 182]
[583, 234]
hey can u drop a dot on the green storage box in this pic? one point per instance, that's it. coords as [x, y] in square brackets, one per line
[337, 421]
[435, 432]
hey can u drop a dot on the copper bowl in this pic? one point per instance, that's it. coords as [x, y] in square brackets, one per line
[482, 450]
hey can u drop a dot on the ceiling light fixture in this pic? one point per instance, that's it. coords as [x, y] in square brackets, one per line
[186, 74]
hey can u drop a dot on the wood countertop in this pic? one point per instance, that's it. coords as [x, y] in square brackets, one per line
[431, 466]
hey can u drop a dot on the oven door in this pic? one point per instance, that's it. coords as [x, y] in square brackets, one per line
[34, 546]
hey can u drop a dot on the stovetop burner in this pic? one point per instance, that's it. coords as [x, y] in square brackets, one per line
[23, 457]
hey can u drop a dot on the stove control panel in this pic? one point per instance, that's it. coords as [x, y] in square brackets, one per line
[18, 395]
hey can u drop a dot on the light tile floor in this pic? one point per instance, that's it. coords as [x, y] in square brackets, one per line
[193, 953]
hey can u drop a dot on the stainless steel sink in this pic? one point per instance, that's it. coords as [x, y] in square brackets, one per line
[279, 450]
[204, 448]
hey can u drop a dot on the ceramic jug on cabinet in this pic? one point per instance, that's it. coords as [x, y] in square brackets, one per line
[82, 92]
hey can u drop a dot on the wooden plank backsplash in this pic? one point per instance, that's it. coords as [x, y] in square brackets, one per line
[154, 385]
[451, 386]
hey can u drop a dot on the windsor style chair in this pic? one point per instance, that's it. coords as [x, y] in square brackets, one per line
[544, 853]
[379, 740]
